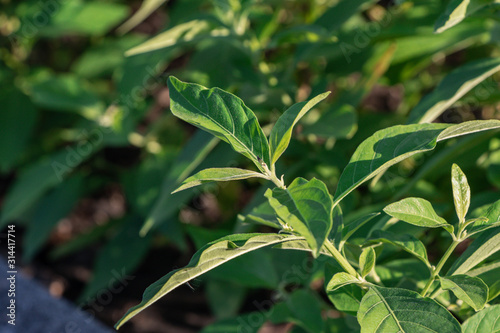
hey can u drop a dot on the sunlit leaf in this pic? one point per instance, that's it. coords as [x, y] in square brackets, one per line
[418, 212]
[217, 175]
[367, 261]
[282, 131]
[453, 87]
[210, 256]
[223, 115]
[461, 192]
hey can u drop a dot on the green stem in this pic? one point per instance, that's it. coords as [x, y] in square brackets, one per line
[340, 258]
[440, 265]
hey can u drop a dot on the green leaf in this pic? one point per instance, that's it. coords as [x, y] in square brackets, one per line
[210, 256]
[453, 87]
[461, 192]
[306, 206]
[146, 9]
[223, 115]
[481, 248]
[84, 17]
[36, 179]
[350, 228]
[305, 308]
[405, 242]
[401, 310]
[217, 175]
[488, 320]
[367, 261]
[418, 212]
[17, 121]
[458, 10]
[280, 136]
[66, 93]
[480, 225]
[471, 290]
[190, 157]
[336, 122]
[489, 274]
[340, 280]
[118, 258]
[181, 33]
[53, 207]
[383, 149]
[235, 325]
[394, 144]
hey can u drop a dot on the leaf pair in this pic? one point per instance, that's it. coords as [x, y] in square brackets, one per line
[228, 118]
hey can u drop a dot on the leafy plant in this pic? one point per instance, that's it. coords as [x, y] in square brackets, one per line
[305, 214]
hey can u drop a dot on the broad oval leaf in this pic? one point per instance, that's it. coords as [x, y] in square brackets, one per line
[306, 206]
[482, 247]
[451, 88]
[207, 258]
[405, 242]
[340, 280]
[394, 144]
[461, 192]
[418, 212]
[367, 261]
[217, 175]
[388, 310]
[282, 131]
[471, 290]
[222, 114]
[488, 320]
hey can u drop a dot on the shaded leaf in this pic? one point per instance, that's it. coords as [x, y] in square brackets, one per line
[401, 310]
[51, 209]
[306, 206]
[280, 136]
[223, 115]
[350, 228]
[471, 290]
[190, 157]
[405, 242]
[418, 212]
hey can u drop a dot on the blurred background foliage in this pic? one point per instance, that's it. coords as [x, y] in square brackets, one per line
[90, 152]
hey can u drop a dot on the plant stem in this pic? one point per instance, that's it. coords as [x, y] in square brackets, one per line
[440, 265]
[340, 258]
